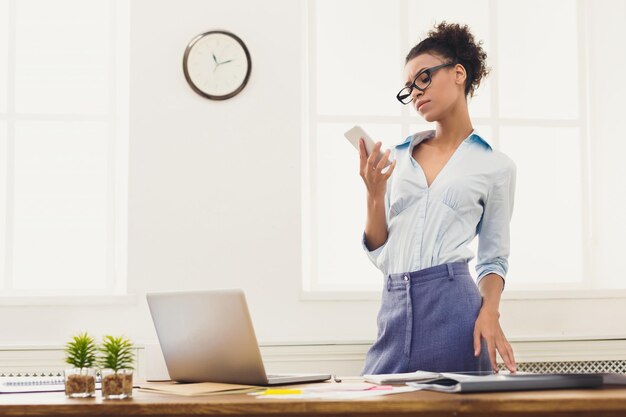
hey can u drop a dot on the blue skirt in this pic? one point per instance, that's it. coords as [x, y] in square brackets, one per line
[426, 323]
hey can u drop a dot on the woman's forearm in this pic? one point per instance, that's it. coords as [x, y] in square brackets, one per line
[491, 287]
[376, 223]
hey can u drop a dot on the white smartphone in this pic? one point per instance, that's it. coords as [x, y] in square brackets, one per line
[353, 135]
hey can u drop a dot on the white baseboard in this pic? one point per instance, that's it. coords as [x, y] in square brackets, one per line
[341, 358]
[46, 360]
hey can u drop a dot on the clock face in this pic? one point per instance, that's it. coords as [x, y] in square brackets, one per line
[217, 65]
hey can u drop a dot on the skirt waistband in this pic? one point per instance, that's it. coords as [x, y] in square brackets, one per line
[439, 271]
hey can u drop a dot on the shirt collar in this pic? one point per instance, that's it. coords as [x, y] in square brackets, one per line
[427, 134]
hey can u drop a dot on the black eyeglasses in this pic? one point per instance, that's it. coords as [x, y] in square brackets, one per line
[421, 82]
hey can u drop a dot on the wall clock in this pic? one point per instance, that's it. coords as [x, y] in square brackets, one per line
[217, 64]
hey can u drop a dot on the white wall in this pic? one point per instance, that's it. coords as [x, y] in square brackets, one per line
[215, 186]
[214, 193]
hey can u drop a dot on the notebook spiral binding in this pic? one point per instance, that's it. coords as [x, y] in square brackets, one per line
[19, 374]
[33, 381]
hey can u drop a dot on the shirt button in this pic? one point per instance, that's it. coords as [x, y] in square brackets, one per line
[406, 277]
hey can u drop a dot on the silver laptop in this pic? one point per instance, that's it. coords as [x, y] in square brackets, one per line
[208, 336]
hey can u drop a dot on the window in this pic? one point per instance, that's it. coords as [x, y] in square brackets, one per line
[63, 146]
[537, 106]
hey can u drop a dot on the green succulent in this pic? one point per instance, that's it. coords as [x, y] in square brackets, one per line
[116, 353]
[81, 351]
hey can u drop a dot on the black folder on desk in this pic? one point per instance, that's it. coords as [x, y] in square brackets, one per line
[451, 382]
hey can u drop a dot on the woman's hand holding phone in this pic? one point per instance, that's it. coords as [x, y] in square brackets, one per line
[373, 176]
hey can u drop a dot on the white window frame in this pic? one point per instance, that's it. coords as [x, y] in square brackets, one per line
[310, 119]
[115, 291]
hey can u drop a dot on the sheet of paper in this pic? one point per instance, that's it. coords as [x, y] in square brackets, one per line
[339, 395]
[433, 387]
[344, 386]
[459, 377]
[401, 377]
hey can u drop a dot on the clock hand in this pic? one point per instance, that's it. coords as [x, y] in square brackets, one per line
[225, 62]
[217, 64]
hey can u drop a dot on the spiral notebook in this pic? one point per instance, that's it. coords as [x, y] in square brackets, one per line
[10, 385]
[503, 381]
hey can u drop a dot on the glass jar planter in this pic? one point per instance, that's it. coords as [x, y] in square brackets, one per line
[80, 382]
[117, 385]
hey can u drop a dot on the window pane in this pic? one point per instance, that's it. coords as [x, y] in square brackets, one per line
[63, 56]
[607, 56]
[358, 58]
[60, 207]
[546, 230]
[420, 127]
[4, 53]
[473, 13]
[3, 197]
[486, 132]
[480, 104]
[340, 208]
[538, 62]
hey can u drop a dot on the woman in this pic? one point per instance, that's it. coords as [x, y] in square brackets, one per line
[444, 187]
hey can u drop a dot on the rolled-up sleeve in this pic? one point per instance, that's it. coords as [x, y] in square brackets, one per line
[494, 227]
[373, 254]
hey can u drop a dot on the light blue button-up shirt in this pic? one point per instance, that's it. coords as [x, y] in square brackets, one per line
[428, 226]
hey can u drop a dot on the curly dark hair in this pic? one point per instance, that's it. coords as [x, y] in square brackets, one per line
[456, 43]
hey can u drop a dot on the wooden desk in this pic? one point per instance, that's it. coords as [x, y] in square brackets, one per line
[607, 401]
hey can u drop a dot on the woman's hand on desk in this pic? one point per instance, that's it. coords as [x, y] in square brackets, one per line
[488, 327]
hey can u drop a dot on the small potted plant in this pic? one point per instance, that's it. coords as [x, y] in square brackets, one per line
[80, 381]
[116, 360]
